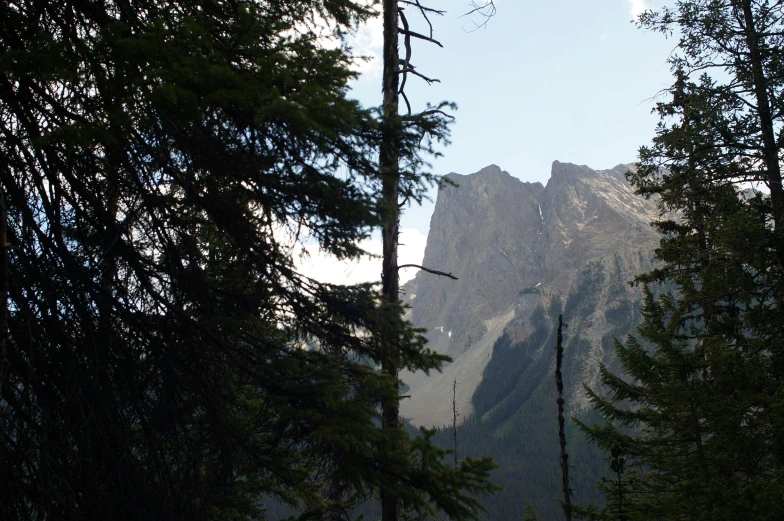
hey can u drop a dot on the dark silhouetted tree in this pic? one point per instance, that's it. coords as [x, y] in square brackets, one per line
[166, 359]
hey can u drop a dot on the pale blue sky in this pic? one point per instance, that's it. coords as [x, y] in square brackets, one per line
[567, 80]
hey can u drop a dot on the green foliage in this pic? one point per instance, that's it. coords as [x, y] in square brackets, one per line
[694, 413]
[510, 376]
[161, 161]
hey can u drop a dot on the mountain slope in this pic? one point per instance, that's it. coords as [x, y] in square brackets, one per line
[518, 247]
[525, 253]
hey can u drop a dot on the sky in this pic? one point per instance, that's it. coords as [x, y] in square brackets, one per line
[565, 80]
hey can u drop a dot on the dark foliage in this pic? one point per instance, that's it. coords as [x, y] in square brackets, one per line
[165, 359]
[694, 420]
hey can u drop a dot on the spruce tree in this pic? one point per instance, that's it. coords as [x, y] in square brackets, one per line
[696, 409]
[166, 360]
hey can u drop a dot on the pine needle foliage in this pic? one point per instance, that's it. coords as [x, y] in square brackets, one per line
[696, 413]
[164, 358]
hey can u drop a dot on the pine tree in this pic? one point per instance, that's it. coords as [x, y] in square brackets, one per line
[166, 360]
[697, 411]
[742, 41]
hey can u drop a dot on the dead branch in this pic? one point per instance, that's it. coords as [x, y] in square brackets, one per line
[413, 71]
[406, 61]
[454, 419]
[419, 36]
[405, 98]
[423, 9]
[406, 66]
[487, 10]
[434, 272]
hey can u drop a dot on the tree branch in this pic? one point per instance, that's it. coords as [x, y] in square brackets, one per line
[405, 98]
[487, 10]
[434, 272]
[406, 61]
[422, 7]
[424, 10]
[412, 70]
[427, 113]
[420, 36]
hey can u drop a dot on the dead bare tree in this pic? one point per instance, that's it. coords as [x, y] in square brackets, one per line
[389, 158]
[454, 419]
[567, 504]
[395, 75]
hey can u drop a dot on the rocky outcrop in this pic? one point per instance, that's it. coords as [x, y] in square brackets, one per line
[516, 247]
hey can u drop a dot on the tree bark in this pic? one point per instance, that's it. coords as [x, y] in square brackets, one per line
[389, 166]
[769, 147]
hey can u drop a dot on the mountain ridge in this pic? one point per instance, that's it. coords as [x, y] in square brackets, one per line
[516, 247]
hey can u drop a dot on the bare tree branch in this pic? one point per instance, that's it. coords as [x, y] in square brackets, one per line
[406, 61]
[487, 10]
[413, 71]
[422, 8]
[402, 93]
[419, 36]
[434, 272]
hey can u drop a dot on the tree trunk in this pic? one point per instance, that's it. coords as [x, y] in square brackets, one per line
[561, 434]
[389, 165]
[454, 420]
[769, 147]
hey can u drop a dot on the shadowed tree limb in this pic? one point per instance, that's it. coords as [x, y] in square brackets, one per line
[434, 272]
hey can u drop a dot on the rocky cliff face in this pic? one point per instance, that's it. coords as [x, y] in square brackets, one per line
[522, 252]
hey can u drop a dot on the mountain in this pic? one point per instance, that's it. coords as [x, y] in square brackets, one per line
[523, 253]
[515, 246]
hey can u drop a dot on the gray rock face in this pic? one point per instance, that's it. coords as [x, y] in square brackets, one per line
[516, 246]
[484, 231]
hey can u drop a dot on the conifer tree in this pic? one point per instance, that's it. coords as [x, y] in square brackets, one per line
[399, 163]
[697, 409]
[165, 358]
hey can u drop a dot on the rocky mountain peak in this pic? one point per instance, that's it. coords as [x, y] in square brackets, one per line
[559, 169]
[509, 243]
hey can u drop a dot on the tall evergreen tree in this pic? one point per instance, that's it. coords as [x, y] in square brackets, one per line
[399, 164]
[166, 360]
[734, 46]
[698, 411]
